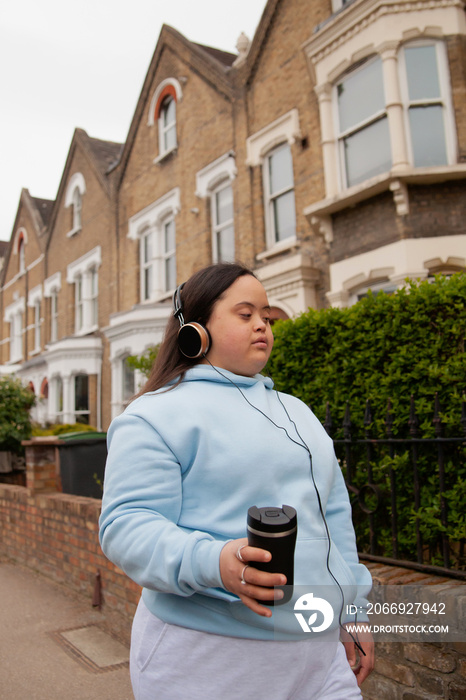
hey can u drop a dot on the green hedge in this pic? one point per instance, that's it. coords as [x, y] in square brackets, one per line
[16, 400]
[389, 347]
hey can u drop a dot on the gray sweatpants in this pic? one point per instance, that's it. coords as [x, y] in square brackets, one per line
[175, 663]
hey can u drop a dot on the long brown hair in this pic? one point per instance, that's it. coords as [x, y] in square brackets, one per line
[198, 297]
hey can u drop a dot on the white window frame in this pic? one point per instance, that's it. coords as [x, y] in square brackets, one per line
[22, 256]
[34, 303]
[124, 367]
[444, 100]
[376, 116]
[147, 263]
[217, 227]
[77, 209]
[37, 325]
[14, 316]
[78, 303]
[271, 197]
[285, 129]
[214, 177]
[52, 286]
[166, 129]
[152, 221]
[16, 337]
[82, 412]
[338, 5]
[94, 296]
[75, 192]
[168, 255]
[58, 389]
[83, 273]
[54, 315]
[156, 97]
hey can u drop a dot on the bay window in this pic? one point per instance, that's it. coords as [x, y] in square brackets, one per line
[424, 85]
[364, 140]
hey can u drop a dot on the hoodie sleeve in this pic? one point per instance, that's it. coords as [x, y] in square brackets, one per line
[339, 521]
[140, 510]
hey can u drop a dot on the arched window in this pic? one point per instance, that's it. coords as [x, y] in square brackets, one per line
[163, 111]
[21, 255]
[77, 207]
[74, 200]
[167, 125]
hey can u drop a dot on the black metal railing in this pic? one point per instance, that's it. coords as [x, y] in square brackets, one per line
[406, 492]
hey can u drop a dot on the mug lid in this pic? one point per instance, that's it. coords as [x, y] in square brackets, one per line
[272, 518]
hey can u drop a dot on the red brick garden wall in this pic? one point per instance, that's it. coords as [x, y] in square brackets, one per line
[57, 534]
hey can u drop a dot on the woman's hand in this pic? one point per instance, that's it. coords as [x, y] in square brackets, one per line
[363, 666]
[258, 584]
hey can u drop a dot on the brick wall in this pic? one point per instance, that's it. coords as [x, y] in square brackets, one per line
[57, 534]
[419, 671]
[433, 211]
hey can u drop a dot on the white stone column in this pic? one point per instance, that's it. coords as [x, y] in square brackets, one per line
[68, 399]
[329, 142]
[394, 104]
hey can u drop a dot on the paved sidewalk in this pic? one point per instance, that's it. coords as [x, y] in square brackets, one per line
[54, 645]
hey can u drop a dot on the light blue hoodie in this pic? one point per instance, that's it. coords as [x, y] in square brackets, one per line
[183, 468]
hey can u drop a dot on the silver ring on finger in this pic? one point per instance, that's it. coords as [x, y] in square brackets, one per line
[242, 574]
[238, 552]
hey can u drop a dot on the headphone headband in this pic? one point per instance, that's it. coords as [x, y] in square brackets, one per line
[178, 305]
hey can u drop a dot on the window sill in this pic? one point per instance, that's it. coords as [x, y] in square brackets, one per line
[320, 214]
[157, 298]
[383, 183]
[86, 331]
[34, 352]
[281, 247]
[73, 232]
[165, 154]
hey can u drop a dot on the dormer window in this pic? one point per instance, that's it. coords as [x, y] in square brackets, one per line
[163, 112]
[77, 206]
[74, 201]
[167, 125]
[21, 255]
[19, 249]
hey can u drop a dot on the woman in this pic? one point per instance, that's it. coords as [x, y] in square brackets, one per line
[205, 439]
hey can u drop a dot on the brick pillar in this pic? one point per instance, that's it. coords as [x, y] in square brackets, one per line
[42, 465]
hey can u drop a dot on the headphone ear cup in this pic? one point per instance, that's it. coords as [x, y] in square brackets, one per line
[193, 340]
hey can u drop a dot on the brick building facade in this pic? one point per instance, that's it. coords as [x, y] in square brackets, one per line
[329, 155]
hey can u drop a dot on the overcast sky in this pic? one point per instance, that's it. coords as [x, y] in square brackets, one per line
[65, 65]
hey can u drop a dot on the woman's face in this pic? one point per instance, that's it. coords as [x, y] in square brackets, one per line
[239, 326]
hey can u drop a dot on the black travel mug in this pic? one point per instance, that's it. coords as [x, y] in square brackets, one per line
[275, 530]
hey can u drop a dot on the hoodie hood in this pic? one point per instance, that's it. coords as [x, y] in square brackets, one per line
[210, 373]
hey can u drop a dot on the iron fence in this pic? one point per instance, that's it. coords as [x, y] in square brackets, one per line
[406, 492]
